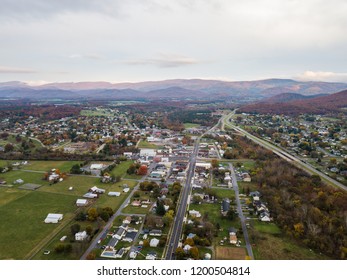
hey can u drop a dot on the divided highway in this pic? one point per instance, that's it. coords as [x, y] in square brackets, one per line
[283, 154]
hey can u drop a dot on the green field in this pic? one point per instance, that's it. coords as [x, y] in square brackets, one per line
[22, 221]
[23, 212]
[63, 166]
[17, 144]
[146, 145]
[191, 125]
[98, 113]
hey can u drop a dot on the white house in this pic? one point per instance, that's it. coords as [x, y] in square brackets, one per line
[81, 202]
[53, 218]
[154, 242]
[90, 195]
[80, 236]
[194, 213]
[148, 153]
[95, 189]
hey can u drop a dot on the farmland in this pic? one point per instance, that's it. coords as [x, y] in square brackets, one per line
[23, 212]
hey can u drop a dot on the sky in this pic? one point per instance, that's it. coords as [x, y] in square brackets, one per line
[139, 40]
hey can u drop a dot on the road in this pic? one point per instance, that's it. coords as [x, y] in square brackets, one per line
[239, 210]
[176, 230]
[108, 225]
[283, 154]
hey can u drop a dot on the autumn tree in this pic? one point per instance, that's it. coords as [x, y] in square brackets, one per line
[92, 214]
[142, 170]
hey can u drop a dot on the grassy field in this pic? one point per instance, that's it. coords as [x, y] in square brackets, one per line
[147, 145]
[98, 113]
[191, 125]
[22, 219]
[23, 212]
[274, 245]
[12, 140]
[63, 166]
[121, 169]
[230, 253]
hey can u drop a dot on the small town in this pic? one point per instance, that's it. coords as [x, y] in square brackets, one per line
[146, 192]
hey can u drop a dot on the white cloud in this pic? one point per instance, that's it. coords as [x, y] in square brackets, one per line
[322, 76]
[14, 70]
[165, 61]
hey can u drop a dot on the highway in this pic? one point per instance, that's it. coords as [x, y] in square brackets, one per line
[176, 229]
[283, 154]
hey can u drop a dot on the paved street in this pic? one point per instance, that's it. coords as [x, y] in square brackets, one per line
[239, 210]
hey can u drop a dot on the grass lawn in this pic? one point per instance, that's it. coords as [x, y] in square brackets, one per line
[27, 177]
[23, 220]
[98, 113]
[121, 169]
[9, 194]
[191, 125]
[147, 145]
[273, 245]
[40, 165]
[12, 139]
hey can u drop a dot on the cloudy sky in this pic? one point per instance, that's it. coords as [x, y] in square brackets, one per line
[138, 40]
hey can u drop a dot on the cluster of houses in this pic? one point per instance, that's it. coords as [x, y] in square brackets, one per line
[294, 131]
[260, 207]
[125, 233]
[93, 193]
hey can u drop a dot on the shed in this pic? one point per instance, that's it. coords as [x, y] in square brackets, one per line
[81, 202]
[114, 193]
[53, 218]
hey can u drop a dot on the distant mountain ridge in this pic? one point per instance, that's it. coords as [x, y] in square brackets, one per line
[318, 105]
[289, 96]
[168, 89]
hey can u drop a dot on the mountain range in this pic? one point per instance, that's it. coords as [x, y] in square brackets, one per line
[294, 104]
[167, 90]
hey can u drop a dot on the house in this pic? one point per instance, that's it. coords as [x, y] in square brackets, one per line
[232, 236]
[225, 206]
[154, 242]
[80, 236]
[114, 194]
[186, 248]
[120, 253]
[265, 217]
[194, 213]
[136, 203]
[120, 233]
[81, 202]
[130, 236]
[246, 177]
[255, 193]
[151, 256]
[191, 235]
[95, 189]
[133, 255]
[127, 220]
[155, 232]
[90, 195]
[53, 218]
[227, 177]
